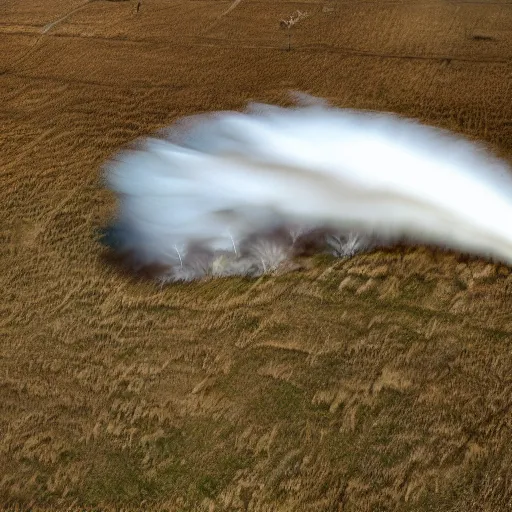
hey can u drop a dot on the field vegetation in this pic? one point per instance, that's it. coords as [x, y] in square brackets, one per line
[378, 382]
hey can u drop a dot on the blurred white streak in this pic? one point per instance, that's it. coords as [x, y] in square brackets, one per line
[239, 193]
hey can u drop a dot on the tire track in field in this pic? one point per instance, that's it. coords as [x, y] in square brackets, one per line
[222, 43]
[233, 6]
[39, 37]
[52, 24]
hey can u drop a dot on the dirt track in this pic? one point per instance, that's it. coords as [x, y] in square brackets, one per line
[379, 383]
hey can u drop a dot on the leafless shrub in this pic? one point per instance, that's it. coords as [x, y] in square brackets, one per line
[346, 246]
[265, 253]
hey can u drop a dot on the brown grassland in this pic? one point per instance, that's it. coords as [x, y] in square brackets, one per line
[382, 382]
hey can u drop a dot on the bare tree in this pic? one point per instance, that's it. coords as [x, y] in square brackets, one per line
[287, 24]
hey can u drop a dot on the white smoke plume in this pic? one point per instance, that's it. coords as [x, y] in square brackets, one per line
[240, 193]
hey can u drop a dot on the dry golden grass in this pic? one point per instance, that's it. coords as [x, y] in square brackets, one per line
[379, 383]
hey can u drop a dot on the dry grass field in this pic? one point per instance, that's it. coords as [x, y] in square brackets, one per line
[382, 382]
